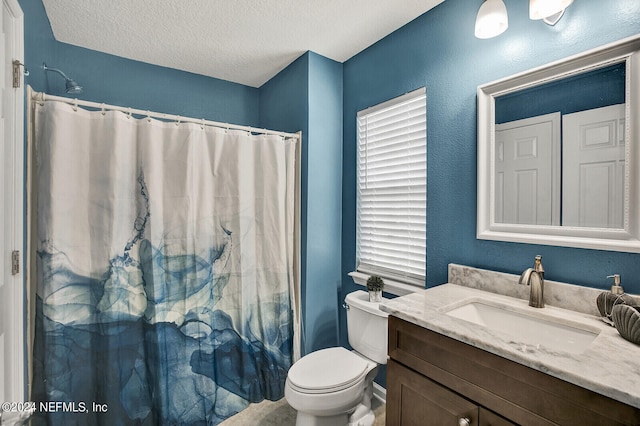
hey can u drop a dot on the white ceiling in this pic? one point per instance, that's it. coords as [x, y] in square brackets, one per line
[244, 41]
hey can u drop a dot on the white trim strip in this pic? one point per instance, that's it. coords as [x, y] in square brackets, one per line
[393, 287]
[379, 393]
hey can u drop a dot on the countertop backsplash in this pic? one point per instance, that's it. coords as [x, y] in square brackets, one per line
[561, 295]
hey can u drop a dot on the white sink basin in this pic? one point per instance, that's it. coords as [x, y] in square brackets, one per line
[536, 330]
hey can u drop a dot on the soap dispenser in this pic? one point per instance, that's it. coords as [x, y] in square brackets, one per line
[607, 299]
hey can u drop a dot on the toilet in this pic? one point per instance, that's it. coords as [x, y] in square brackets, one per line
[334, 386]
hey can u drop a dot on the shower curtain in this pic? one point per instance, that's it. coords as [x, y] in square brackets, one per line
[164, 273]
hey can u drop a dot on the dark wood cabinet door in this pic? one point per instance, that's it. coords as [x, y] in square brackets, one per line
[414, 400]
[489, 418]
[521, 394]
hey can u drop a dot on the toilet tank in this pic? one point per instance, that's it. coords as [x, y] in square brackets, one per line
[367, 326]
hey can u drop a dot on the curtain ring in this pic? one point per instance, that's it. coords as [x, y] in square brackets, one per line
[177, 120]
[104, 111]
[75, 104]
[202, 123]
[128, 112]
[148, 116]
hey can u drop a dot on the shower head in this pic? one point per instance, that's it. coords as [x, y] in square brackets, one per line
[71, 86]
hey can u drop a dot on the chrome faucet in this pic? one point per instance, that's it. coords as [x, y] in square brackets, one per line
[534, 277]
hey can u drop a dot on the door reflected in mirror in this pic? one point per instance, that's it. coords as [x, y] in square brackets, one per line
[559, 151]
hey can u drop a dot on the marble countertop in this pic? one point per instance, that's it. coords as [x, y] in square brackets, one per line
[610, 365]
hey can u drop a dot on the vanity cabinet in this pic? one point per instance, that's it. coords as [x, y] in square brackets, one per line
[436, 380]
[413, 399]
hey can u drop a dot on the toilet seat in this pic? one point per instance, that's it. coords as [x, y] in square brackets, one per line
[327, 370]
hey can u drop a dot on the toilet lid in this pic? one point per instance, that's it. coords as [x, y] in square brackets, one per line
[326, 370]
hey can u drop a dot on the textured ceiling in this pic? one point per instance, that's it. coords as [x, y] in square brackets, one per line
[244, 41]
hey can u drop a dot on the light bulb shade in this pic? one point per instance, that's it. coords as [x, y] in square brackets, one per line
[492, 19]
[540, 9]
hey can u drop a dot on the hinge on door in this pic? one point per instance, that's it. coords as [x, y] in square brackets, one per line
[15, 262]
[16, 72]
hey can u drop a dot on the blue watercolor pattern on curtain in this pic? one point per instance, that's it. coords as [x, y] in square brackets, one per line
[152, 300]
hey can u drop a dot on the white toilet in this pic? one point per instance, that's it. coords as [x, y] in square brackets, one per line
[334, 386]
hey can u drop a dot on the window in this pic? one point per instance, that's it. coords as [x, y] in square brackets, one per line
[392, 189]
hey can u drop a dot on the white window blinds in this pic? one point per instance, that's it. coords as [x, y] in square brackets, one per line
[392, 189]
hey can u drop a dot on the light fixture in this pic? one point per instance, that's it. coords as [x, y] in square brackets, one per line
[492, 19]
[71, 86]
[550, 11]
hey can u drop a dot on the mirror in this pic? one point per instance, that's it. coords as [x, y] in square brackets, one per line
[558, 152]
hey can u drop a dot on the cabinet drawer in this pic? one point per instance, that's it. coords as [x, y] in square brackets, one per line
[519, 393]
[488, 418]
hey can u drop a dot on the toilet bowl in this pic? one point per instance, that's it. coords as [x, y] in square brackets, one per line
[334, 386]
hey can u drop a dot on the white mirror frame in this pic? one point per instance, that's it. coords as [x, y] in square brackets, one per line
[626, 239]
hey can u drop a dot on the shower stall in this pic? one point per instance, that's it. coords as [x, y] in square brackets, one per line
[166, 266]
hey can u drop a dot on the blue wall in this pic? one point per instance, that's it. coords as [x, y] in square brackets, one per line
[324, 232]
[595, 89]
[438, 50]
[307, 95]
[284, 101]
[321, 98]
[119, 81]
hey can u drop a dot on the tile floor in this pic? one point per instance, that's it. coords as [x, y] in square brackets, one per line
[279, 413]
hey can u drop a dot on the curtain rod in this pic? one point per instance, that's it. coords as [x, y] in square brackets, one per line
[43, 97]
